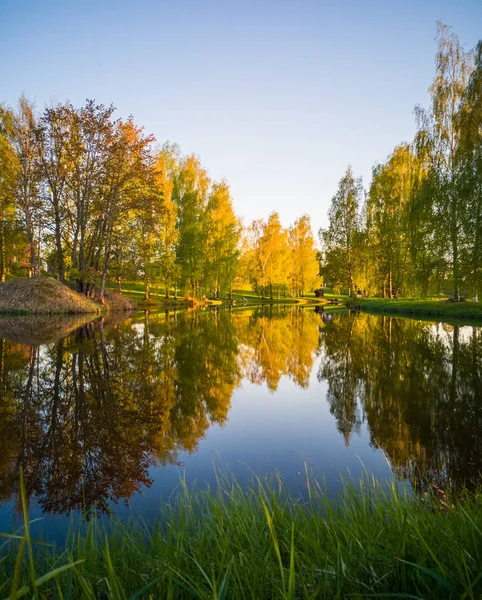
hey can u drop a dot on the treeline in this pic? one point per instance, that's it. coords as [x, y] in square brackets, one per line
[95, 198]
[90, 199]
[418, 229]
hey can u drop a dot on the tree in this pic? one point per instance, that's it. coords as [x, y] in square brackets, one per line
[388, 202]
[27, 193]
[92, 135]
[453, 66]
[9, 168]
[189, 193]
[222, 240]
[341, 241]
[53, 138]
[271, 255]
[469, 175]
[304, 261]
[166, 167]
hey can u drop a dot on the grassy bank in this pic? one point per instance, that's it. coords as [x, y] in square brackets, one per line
[376, 542]
[47, 296]
[423, 308]
[43, 295]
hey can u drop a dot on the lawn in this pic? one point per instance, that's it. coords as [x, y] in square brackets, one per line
[433, 307]
[242, 295]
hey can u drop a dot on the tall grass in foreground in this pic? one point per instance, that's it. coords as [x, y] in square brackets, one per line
[374, 541]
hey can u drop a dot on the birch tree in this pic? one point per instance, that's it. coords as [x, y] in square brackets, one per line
[340, 241]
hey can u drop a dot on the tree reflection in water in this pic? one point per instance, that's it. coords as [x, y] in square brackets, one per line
[87, 415]
[419, 387]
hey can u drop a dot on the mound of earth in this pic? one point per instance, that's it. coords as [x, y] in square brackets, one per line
[115, 301]
[42, 295]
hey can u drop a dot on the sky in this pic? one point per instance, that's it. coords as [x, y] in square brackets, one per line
[277, 97]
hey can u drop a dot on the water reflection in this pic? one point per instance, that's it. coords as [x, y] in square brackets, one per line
[276, 342]
[89, 414]
[419, 387]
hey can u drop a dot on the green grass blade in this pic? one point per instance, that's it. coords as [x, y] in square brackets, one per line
[274, 539]
[140, 592]
[27, 533]
[17, 571]
[292, 580]
[26, 589]
[446, 585]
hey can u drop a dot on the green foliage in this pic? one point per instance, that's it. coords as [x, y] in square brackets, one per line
[342, 241]
[420, 229]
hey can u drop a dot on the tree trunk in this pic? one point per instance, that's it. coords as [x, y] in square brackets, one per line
[31, 242]
[147, 286]
[33, 258]
[2, 361]
[455, 252]
[104, 274]
[3, 265]
[454, 240]
[58, 242]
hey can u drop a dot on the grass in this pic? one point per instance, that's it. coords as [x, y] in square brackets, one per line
[116, 302]
[242, 294]
[418, 307]
[135, 292]
[374, 541]
[47, 296]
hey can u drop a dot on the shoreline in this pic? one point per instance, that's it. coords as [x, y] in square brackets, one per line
[428, 309]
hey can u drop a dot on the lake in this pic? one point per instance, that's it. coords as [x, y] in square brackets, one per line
[112, 414]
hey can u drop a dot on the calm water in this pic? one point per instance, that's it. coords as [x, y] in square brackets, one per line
[111, 415]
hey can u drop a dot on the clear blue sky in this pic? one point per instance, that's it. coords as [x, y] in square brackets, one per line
[276, 96]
